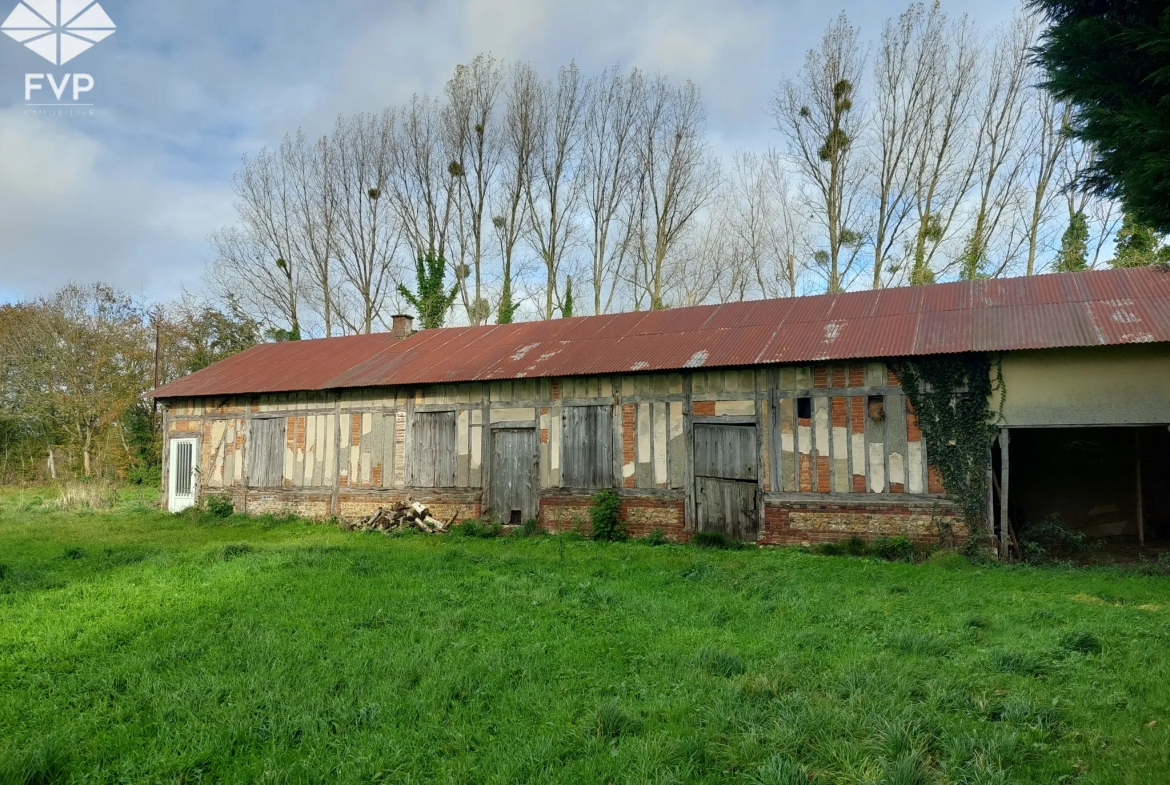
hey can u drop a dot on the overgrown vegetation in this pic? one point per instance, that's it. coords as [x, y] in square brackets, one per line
[951, 399]
[1050, 538]
[137, 646]
[605, 516]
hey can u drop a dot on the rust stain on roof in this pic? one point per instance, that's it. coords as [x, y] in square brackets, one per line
[1093, 308]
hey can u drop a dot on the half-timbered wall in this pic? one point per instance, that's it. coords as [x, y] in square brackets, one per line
[835, 431]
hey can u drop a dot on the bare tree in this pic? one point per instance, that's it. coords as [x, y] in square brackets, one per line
[905, 71]
[368, 235]
[552, 192]
[677, 176]
[941, 171]
[311, 169]
[1047, 139]
[510, 212]
[996, 158]
[475, 136]
[257, 258]
[762, 222]
[816, 112]
[422, 183]
[608, 171]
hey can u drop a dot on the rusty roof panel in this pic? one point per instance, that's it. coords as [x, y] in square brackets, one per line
[1048, 311]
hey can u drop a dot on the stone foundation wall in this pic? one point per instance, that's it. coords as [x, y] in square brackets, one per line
[786, 522]
[446, 505]
[642, 514]
[811, 522]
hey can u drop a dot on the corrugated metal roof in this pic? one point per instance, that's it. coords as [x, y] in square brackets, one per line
[1048, 311]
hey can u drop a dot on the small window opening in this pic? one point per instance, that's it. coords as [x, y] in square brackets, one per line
[804, 408]
[514, 518]
[877, 408]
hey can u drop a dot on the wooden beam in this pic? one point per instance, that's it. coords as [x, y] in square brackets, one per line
[1137, 459]
[243, 457]
[1005, 542]
[689, 438]
[335, 497]
[989, 524]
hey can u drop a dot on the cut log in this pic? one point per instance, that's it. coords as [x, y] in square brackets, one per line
[420, 510]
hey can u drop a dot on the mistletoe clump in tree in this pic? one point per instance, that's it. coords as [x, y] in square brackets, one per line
[432, 300]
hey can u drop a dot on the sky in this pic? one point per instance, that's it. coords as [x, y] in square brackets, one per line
[128, 190]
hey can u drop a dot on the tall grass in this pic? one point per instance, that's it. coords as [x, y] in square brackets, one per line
[137, 646]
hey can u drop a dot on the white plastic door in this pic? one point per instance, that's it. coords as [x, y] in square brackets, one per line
[182, 475]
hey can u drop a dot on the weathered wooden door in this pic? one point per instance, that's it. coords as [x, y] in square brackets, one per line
[727, 480]
[513, 475]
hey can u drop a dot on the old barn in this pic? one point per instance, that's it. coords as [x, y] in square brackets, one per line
[778, 421]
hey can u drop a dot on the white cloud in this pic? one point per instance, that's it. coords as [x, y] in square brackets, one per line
[186, 88]
[70, 210]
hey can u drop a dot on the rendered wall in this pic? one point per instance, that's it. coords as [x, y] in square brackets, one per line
[1108, 385]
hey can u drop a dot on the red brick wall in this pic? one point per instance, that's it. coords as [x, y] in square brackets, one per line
[811, 522]
[642, 514]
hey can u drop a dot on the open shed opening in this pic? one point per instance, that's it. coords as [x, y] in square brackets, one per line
[1105, 482]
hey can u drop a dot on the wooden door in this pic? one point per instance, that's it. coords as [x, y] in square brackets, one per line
[727, 480]
[182, 475]
[514, 478]
[433, 448]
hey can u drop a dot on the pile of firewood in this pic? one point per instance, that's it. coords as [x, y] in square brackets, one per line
[401, 515]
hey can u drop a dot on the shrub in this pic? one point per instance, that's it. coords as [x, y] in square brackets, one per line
[975, 549]
[1039, 540]
[605, 514]
[220, 506]
[893, 548]
[531, 528]
[146, 475]
[656, 537]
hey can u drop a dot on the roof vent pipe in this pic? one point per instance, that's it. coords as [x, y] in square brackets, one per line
[401, 325]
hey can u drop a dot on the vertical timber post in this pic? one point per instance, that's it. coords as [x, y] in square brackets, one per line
[1140, 512]
[689, 522]
[1005, 539]
[247, 442]
[989, 524]
[335, 497]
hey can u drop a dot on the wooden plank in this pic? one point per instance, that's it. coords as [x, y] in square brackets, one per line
[434, 441]
[587, 447]
[514, 466]
[727, 506]
[689, 521]
[1140, 511]
[726, 452]
[1004, 472]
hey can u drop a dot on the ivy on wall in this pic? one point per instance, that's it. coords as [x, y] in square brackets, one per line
[951, 398]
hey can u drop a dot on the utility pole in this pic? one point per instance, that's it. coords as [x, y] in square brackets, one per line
[156, 317]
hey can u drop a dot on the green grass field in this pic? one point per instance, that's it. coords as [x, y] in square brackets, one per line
[141, 647]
